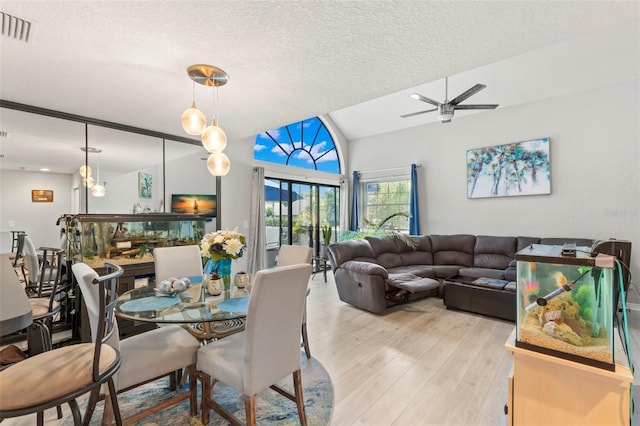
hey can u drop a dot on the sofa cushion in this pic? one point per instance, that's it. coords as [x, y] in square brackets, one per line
[421, 253]
[413, 284]
[493, 252]
[453, 249]
[388, 249]
[351, 250]
[424, 271]
[482, 273]
[445, 271]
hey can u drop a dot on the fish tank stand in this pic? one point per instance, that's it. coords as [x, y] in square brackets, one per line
[549, 390]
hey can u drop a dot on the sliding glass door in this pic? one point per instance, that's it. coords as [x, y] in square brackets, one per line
[295, 213]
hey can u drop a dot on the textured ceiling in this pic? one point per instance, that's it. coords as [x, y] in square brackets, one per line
[125, 61]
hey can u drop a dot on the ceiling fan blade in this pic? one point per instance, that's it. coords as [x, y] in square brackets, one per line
[461, 97]
[419, 97]
[477, 106]
[418, 113]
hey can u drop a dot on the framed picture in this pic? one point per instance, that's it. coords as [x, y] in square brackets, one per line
[521, 168]
[42, 196]
[198, 204]
[145, 182]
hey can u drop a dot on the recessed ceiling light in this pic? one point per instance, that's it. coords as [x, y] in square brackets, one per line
[44, 169]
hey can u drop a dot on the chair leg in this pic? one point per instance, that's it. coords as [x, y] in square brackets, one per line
[205, 380]
[94, 396]
[107, 412]
[173, 381]
[305, 340]
[114, 401]
[40, 418]
[75, 412]
[250, 410]
[297, 387]
[193, 391]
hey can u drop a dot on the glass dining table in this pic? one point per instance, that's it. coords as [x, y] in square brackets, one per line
[208, 317]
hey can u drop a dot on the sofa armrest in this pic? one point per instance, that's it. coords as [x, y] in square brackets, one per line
[365, 268]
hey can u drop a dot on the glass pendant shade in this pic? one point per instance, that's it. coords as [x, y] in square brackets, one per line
[193, 120]
[98, 190]
[88, 182]
[218, 164]
[214, 139]
[85, 171]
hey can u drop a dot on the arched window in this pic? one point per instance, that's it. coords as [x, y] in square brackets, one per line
[307, 144]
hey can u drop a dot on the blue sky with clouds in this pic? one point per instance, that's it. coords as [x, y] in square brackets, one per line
[305, 144]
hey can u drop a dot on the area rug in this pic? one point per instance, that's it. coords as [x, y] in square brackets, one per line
[271, 407]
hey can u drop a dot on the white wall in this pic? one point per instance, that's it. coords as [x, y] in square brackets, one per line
[37, 219]
[595, 168]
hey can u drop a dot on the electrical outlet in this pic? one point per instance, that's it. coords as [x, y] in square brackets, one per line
[11, 224]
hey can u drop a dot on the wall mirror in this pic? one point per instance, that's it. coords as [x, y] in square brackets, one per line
[131, 166]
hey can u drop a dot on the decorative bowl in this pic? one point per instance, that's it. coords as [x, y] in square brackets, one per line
[173, 286]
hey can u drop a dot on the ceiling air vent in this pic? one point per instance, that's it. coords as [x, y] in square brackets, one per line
[15, 28]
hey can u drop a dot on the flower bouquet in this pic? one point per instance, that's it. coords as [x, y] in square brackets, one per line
[219, 248]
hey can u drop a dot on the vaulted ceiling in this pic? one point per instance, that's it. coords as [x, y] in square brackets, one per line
[125, 61]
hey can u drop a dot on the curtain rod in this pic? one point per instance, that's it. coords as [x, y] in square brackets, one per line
[388, 170]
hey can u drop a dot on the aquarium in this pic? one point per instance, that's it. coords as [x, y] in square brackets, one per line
[566, 303]
[128, 238]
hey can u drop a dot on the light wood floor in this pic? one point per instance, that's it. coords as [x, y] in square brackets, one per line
[419, 364]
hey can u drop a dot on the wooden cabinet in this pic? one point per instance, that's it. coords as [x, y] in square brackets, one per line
[546, 390]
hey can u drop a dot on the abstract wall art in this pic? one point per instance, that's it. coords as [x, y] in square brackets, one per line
[521, 168]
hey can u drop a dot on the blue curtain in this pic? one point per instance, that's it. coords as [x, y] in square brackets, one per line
[414, 210]
[355, 202]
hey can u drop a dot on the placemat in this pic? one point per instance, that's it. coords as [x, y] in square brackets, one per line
[149, 303]
[235, 304]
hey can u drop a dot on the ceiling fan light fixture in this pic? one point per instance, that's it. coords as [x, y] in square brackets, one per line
[445, 112]
[445, 117]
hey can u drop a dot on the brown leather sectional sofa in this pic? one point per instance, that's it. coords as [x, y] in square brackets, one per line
[471, 273]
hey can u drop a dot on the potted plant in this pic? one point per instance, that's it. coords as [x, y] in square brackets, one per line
[326, 239]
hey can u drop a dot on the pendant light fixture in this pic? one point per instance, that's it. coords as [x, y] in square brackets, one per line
[85, 171]
[213, 138]
[193, 120]
[218, 164]
[98, 190]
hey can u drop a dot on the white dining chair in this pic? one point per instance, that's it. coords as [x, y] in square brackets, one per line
[291, 255]
[267, 351]
[177, 261]
[146, 356]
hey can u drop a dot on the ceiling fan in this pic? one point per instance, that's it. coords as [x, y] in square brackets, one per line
[446, 109]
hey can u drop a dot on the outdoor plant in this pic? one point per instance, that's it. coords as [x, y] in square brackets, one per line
[374, 230]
